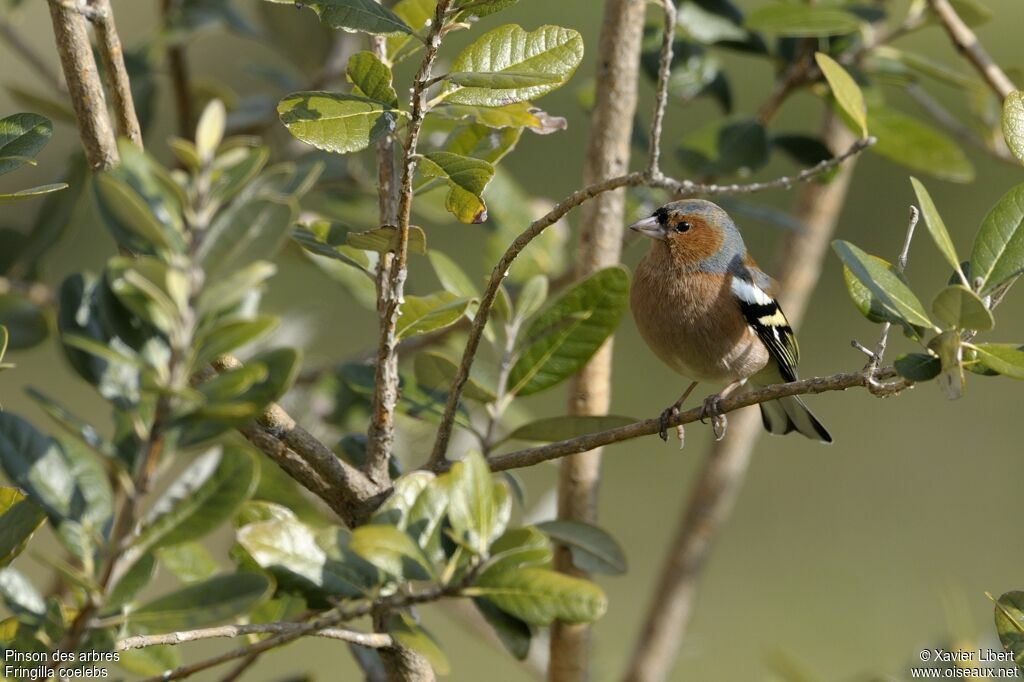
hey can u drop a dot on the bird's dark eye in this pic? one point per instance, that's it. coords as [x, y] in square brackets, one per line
[682, 226]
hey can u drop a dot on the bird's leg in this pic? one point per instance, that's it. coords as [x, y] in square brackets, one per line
[712, 409]
[673, 410]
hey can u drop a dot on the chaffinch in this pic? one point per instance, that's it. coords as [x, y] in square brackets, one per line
[706, 310]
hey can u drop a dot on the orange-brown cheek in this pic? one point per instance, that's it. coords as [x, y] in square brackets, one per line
[699, 242]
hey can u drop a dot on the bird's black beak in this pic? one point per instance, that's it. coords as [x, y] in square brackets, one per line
[649, 227]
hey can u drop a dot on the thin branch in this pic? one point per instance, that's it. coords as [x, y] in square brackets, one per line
[380, 436]
[680, 188]
[901, 265]
[668, 36]
[10, 35]
[954, 125]
[83, 82]
[969, 46]
[646, 427]
[120, 88]
[177, 63]
[371, 640]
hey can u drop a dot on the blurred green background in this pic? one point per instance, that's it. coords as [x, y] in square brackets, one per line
[848, 559]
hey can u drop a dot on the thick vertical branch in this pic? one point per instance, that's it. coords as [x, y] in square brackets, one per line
[608, 151]
[83, 81]
[392, 286]
[708, 508]
[120, 88]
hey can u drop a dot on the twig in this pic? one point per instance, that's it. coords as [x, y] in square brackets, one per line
[600, 246]
[668, 36]
[12, 37]
[120, 88]
[390, 298]
[646, 427]
[371, 640]
[951, 123]
[901, 265]
[969, 45]
[723, 473]
[178, 66]
[84, 86]
[679, 188]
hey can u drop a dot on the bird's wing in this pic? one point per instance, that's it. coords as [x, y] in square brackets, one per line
[765, 317]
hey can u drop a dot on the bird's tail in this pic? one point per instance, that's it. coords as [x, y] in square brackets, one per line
[791, 414]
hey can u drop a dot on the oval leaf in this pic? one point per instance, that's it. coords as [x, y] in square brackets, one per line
[366, 16]
[539, 596]
[918, 366]
[566, 333]
[392, 551]
[1013, 123]
[593, 549]
[19, 519]
[211, 601]
[372, 77]
[961, 308]
[936, 226]
[550, 51]
[1005, 358]
[885, 286]
[422, 314]
[998, 252]
[335, 122]
[845, 90]
[918, 146]
[802, 21]
[22, 136]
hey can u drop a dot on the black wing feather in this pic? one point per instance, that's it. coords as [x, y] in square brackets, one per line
[771, 326]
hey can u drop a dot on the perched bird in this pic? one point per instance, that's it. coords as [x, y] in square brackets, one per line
[706, 310]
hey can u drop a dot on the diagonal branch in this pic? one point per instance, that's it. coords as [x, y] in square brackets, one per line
[972, 49]
[371, 640]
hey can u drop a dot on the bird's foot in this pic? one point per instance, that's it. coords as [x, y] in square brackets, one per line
[663, 420]
[711, 409]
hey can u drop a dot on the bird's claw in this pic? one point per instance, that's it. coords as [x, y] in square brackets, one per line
[666, 414]
[712, 409]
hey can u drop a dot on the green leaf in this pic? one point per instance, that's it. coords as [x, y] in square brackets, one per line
[131, 211]
[593, 549]
[364, 16]
[372, 78]
[467, 178]
[394, 510]
[19, 595]
[212, 601]
[435, 371]
[531, 297]
[406, 632]
[20, 517]
[22, 137]
[516, 115]
[248, 231]
[519, 547]
[514, 634]
[480, 8]
[802, 21]
[230, 334]
[478, 508]
[845, 90]
[392, 551]
[425, 518]
[936, 226]
[948, 346]
[1005, 358]
[134, 580]
[895, 297]
[203, 497]
[539, 596]
[998, 253]
[568, 331]
[422, 314]
[290, 551]
[482, 142]
[551, 429]
[32, 193]
[918, 146]
[1009, 617]
[961, 308]
[549, 51]
[918, 366]
[190, 562]
[210, 130]
[26, 323]
[500, 79]
[452, 277]
[417, 15]
[335, 122]
[1013, 123]
[384, 239]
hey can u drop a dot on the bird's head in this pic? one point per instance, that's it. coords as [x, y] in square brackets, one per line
[694, 231]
